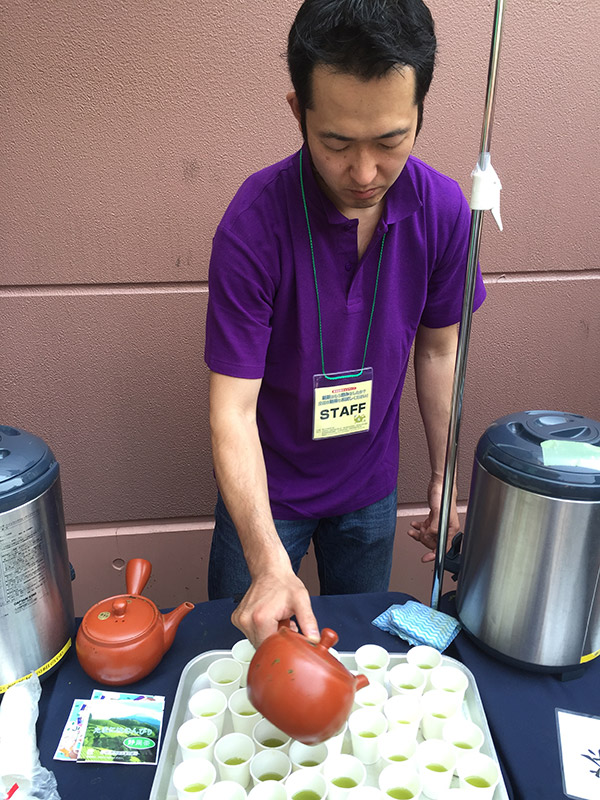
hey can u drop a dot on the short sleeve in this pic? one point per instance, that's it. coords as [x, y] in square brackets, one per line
[240, 308]
[447, 279]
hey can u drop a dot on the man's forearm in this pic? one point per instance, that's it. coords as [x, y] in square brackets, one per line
[434, 375]
[241, 478]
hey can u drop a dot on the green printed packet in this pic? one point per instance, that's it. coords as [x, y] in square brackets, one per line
[121, 731]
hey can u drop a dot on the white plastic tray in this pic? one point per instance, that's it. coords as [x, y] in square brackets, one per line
[193, 678]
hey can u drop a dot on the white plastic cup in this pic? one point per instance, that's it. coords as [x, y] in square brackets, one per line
[464, 735]
[373, 695]
[308, 756]
[366, 726]
[306, 780]
[450, 679]
[209, 703]
[426, 658]
[336, 742]
[243, 652]
[340, 767]
[269, 790]
[396, 748]
[477, 766]
[225, 675]
[196, 738]
[407, 679]
[403, 712]
[437, 707]
[265, 734]
[225, 790]
[372, 660]
[243, 714]
[435, 761]
[400, 776]
[195, 772]
[233, 747]
[270, 765]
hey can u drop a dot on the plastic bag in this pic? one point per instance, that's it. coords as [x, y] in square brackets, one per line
[19, 755]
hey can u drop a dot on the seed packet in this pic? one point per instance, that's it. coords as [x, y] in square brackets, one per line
[70, 741]
[153, 701]
[132, 704]
[120, 732]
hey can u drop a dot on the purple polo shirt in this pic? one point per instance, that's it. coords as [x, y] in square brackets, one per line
[263, 321]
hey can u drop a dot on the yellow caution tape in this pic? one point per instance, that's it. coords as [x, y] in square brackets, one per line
[591, 656]
[41, 670]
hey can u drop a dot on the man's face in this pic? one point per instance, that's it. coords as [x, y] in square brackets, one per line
[360, 133]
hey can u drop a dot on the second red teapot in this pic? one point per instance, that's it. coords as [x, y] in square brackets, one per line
[123, 638]
[300, 687]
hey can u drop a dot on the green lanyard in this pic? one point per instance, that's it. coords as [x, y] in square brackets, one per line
[312, 255]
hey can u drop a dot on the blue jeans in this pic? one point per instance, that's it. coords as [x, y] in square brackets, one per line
[354, 550]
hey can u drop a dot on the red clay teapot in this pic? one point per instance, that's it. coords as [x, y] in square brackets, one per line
[123, 638]
[300, 687]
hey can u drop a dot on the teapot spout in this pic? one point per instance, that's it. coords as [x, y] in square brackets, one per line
[171, 622]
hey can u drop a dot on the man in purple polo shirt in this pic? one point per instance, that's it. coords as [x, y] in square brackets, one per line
[325, 269]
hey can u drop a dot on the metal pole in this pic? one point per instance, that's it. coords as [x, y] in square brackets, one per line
[465, 324]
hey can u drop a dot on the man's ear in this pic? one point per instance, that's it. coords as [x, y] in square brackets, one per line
[293, 103]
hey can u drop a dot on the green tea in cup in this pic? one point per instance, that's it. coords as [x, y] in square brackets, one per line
[476, 780]
[400, 793]
[271, 776]
[436, 767]
[344, 783]
[195, 787]
[235, 760]
[197, 745]
[306, 794]
[367, 734]
[272, 742]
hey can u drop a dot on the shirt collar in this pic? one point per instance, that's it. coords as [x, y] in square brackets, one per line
[401, 200]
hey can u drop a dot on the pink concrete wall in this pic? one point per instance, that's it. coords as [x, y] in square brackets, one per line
[127, 127]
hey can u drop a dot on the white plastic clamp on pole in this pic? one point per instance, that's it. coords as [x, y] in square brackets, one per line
[485, 190]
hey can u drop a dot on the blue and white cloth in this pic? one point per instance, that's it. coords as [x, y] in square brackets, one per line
[419, 624]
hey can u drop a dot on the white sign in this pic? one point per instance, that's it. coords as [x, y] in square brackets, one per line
[579, 741]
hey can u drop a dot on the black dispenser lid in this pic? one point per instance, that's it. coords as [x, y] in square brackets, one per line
[27, 467]
[548, 452]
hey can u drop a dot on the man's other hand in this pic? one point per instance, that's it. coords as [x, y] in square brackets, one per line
[426, 531]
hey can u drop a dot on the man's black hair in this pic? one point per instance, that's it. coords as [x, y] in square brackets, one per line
[363, 38]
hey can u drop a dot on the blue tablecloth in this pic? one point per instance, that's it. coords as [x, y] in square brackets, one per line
[519, 705]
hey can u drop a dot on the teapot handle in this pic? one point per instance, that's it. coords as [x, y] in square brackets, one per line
[136, 575]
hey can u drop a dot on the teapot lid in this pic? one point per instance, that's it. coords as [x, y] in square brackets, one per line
[313, 653]
[120, 619]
